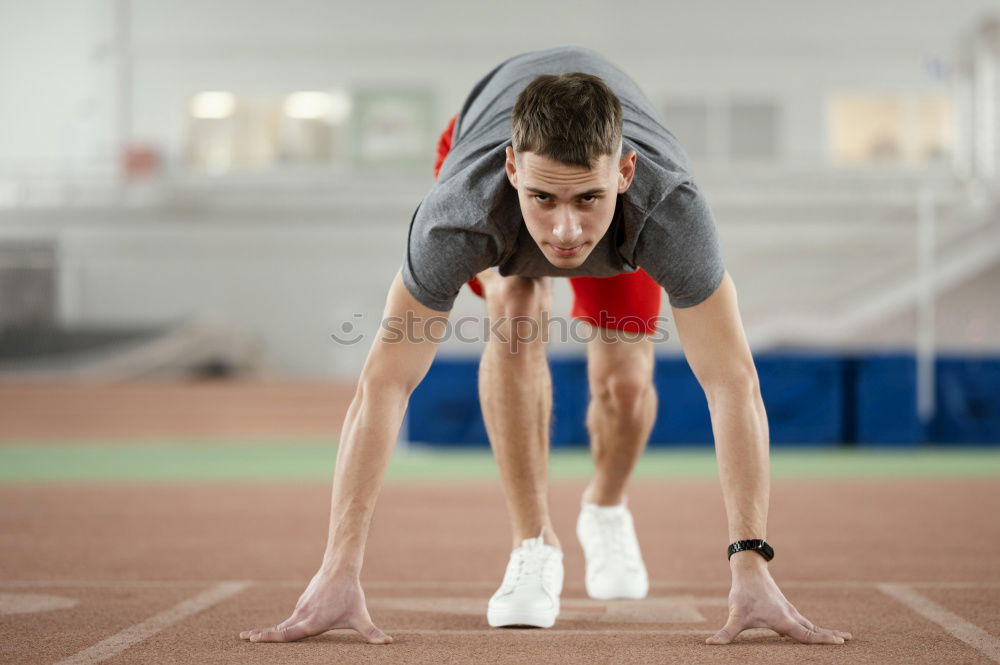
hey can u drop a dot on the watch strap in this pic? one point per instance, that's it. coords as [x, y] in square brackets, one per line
[759, 545]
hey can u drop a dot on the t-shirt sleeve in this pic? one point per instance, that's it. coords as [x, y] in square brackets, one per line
[442, 256]
[679, 247]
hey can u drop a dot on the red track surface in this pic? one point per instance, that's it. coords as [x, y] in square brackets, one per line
[68, 410]
[437, 553]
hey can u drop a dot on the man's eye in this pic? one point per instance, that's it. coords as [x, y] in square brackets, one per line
[543, 198]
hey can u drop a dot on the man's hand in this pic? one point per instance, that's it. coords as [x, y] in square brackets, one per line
[755, 601]
[397, 362]
[328, 602]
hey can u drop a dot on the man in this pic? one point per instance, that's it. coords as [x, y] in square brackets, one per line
[558, 166]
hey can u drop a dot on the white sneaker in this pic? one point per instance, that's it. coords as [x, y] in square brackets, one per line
[614, 562]
[529, 593]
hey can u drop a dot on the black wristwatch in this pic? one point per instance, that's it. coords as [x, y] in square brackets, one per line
[758, 545]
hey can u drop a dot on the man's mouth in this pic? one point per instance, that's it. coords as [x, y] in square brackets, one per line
[566, 251]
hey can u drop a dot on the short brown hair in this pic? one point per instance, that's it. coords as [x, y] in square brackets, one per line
[572, 118]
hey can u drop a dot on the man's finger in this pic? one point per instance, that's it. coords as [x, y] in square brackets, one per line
[727, 633]
[806, 635]
[368, 630]
[809, 624]
[842, 634]
[291, 633]
[246, 634]
[824, 631]
[284, 624]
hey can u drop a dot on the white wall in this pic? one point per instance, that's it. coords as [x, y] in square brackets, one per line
[293, 275]
[289, 258]
[55, 85]
[57, 64]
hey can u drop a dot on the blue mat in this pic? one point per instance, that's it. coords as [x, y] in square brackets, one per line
[814, 399]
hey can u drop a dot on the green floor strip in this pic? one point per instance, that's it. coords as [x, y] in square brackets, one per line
[312, 460]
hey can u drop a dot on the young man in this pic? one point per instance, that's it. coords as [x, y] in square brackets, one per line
[558, 166]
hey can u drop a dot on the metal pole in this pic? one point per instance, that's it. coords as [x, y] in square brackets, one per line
[963, 124]
[925, 352]
[985, 100]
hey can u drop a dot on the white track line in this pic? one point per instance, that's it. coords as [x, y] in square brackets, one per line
[121, 641]
[971, 634]
[104, 584]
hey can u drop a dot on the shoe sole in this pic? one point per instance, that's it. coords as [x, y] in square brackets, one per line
[515, 617]
[625, 595]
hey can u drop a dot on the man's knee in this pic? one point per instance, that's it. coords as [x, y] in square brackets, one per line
[517, 307]
[622, 390]
[517, 296]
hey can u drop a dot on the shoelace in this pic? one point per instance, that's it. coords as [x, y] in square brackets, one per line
[531, 558]
[615, 539]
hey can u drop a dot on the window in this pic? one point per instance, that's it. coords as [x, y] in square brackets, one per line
[725, 130]
[393, 127]
[752, 130]
[688, 121]
[877, 128]
[229, 132]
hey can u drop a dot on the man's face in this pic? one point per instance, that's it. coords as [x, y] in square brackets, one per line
[568, 208]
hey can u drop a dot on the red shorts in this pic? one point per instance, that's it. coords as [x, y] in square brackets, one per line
[629, 302]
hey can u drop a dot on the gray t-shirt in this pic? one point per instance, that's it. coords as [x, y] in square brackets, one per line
[470, 220]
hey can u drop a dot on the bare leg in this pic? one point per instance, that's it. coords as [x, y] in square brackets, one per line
[515, 390]
[621, 412]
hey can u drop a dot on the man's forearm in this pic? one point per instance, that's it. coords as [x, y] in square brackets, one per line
[739, 424]
[371, 427]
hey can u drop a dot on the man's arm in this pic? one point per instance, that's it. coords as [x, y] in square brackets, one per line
[711, 334]
[397, 362]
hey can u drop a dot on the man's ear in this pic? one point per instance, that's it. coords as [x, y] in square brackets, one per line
[626, 171]
[511, 167]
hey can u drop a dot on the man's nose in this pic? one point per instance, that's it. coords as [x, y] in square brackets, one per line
[567, 230]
